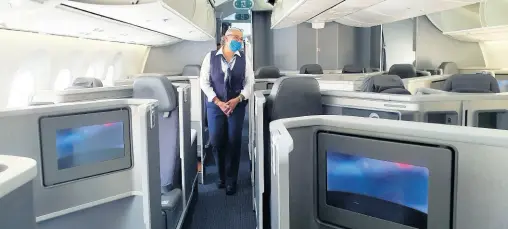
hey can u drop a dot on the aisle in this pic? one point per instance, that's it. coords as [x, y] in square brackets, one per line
[215, 210]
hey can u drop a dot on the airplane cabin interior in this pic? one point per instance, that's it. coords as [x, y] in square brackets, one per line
[328, 114]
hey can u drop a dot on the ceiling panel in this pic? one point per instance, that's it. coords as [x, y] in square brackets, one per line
[351, 22]
[302, 11]
[345, 8]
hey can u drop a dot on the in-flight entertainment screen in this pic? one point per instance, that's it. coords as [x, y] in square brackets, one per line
[386, 190]
[89, 144]
[83, 145]
[366, 182]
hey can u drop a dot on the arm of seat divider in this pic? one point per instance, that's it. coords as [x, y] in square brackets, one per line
[194, 134]
[429, 91]
[281, 147]
[422, 73]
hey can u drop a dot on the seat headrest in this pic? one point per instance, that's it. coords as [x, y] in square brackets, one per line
[449, 68]
[398, 91]
[403, 70]
[191, 70]
[471, 83]
[267, 72]
[294, 96]
[159, 88]
[311, 69]
[380, 83]
[86, 82]
[352, 69]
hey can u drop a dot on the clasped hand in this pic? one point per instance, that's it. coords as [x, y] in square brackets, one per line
[229, 106]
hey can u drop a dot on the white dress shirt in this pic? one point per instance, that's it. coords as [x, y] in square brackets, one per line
[204, 78]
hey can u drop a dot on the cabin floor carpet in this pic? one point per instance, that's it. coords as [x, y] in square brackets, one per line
[215, 210]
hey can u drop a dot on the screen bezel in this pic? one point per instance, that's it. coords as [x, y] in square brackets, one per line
[439, 160]
[48, 126]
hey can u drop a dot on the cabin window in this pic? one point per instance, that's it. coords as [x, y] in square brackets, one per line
[22, 89]
[90, 72]
[110, 74]
[63, 80]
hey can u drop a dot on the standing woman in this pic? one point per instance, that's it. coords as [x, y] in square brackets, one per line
[227, 80]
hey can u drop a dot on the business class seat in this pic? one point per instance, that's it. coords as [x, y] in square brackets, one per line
[311, 69]
[267, 72]
[406, 71]
[386, 84]
[351, 69]
[161, 89]
[449, 68]
[86, 82]
[191, 70]
[471, 83]
[290, 97]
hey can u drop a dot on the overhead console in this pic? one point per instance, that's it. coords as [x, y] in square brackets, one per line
[144, 22]
[358, 13]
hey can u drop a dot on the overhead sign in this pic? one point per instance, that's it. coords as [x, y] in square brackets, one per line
[243, 4]
[242, 17]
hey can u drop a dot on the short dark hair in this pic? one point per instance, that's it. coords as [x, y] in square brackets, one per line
[218, 44]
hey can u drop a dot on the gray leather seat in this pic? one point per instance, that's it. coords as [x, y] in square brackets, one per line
[161, 89]
[267, 72]
[191, 70]
[387, 84]
[449, 68]
[403, 71]
[471, 83]
[294, 96]
[350, 68]
[311, 69]
[86, 82]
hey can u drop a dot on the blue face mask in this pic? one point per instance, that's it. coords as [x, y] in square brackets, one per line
[235, 45]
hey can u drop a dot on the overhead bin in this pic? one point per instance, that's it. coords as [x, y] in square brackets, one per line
[20, 6]
[66, 21]
[359, 13]
[486, 22]
[187, 20]
[116, 2]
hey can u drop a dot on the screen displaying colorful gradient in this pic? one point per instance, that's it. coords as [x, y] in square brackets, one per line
[89, 144]
[387, 190]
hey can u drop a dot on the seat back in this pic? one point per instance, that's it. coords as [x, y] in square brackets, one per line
[289, 97]
[86, 82]
[161, 89]
[449, 68]
[267, 72]
[403, 70]
[388, 84]
[311, 69]
[353, 69]
[471, 83]
[294, 97]
[191, 70]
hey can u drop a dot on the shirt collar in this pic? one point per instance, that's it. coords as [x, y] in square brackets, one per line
[219, 52]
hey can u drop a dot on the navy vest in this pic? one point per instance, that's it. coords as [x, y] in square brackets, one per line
[230, 88]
